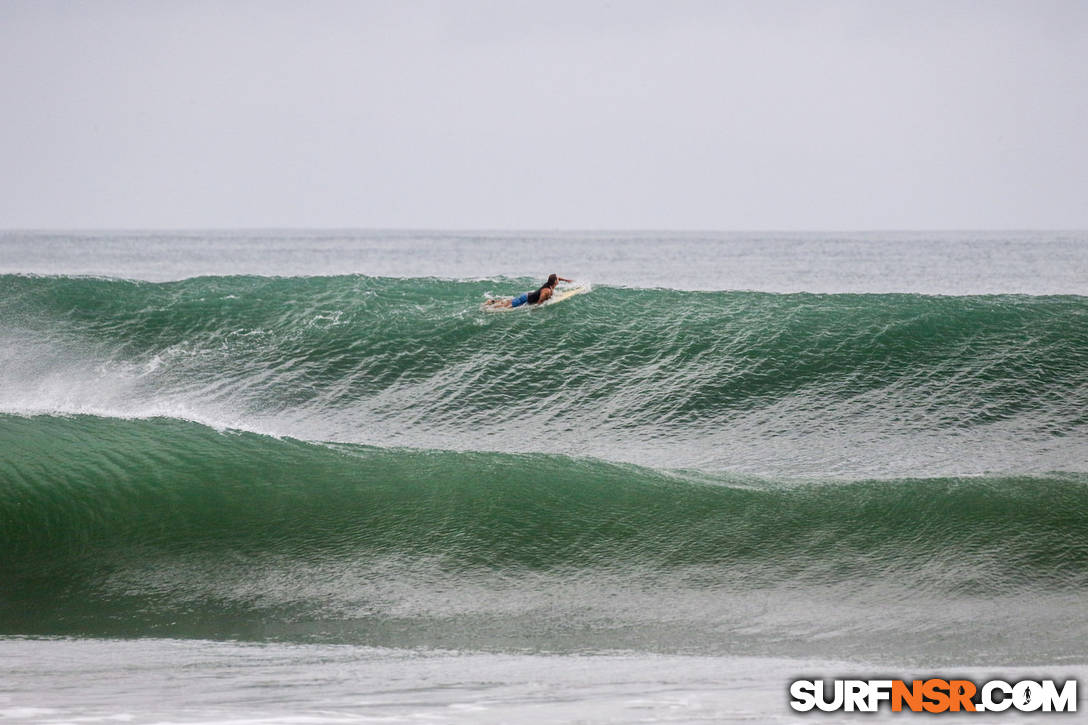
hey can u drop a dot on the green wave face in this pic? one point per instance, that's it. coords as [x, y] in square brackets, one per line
[723, 380]
[161, 526]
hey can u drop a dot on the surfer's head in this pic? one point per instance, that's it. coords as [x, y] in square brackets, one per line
[553, 280]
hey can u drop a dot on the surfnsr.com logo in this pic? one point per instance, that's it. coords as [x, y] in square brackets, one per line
[933, 695]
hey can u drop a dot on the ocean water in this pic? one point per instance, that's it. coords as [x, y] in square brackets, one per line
[304, 475]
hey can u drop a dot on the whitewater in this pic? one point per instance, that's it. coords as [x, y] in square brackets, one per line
[739, 456]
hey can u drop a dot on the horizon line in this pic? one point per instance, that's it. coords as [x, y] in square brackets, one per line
[524, 230]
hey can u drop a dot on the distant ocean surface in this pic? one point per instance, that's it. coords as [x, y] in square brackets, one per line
[308, 467]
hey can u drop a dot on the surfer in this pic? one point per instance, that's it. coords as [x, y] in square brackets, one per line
[535, 297]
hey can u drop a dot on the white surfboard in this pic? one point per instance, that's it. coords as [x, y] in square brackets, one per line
[565, 294]
[558, 296]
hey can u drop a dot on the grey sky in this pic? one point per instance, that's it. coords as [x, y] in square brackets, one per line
[681, 115]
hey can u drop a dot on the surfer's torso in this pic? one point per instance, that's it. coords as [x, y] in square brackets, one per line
[539, 295]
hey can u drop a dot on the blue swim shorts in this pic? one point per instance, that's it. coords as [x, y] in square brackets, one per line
[519, 300]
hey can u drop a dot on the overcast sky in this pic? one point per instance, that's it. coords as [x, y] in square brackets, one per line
[663, 115]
